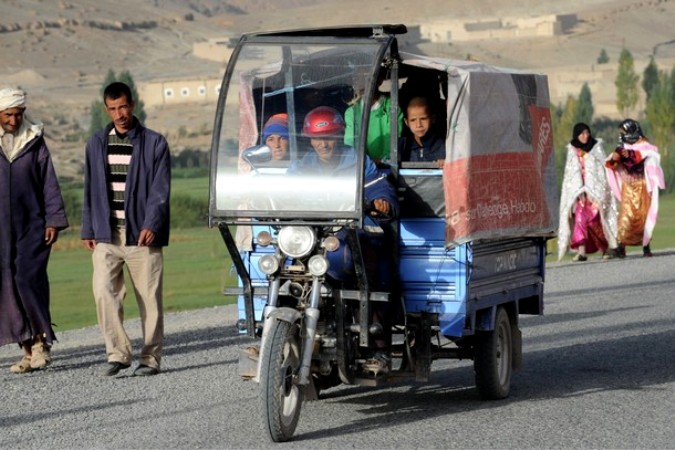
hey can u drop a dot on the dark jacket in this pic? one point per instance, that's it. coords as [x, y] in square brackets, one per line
[30, 201]
[376, 184]
[432, 148]
[148, 186]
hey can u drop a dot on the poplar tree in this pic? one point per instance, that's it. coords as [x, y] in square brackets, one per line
[139, 109]
[660, 112]
[626, 83]
[584, 107]
[563, 124]
[650, 77]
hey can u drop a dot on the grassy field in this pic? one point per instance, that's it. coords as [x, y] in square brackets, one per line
[197, 266]
[196, 269]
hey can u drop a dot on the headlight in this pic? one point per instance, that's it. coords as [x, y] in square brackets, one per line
[268, 264]
[318, 265]
[296, 242]
[331, 243]
[264, 238]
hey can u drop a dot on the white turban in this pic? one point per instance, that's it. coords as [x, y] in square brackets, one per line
[12, 98]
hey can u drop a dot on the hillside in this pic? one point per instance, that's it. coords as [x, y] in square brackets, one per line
[60, 51]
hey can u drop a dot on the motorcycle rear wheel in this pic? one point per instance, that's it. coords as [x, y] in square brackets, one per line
[280, 398]
[494, 359]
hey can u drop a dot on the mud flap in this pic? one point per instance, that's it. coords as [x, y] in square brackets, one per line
[422, 349]
[309, 391]
[517, 342]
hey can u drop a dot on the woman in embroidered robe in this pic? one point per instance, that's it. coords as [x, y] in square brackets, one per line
[635, 176]
[587, 209]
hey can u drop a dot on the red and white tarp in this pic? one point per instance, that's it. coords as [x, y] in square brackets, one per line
[499, 178]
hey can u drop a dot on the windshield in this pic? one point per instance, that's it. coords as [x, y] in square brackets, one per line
[266, 165]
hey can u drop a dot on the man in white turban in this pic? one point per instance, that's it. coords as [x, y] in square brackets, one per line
[33, 213]
[12, 98]
[16, 128]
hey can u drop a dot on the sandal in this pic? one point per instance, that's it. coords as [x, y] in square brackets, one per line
[22, 366]
[40, 356]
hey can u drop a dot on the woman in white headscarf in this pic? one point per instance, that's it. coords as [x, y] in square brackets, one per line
[587, 208]
[33, 213]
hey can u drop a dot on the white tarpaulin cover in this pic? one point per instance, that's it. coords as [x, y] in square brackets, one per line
[499, 178]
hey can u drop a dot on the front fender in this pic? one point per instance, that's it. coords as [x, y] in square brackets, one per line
[285, 314]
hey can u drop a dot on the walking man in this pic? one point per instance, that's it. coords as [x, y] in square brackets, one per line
[125, 221]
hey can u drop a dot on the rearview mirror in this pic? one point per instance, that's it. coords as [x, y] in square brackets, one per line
[259, 154]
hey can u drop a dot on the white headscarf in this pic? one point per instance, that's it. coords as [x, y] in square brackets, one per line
[16, 98]
[12, 98]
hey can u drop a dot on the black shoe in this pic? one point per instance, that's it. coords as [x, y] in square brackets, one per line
[113, 368]
[144, 371]
[647, 251]
[621, 251]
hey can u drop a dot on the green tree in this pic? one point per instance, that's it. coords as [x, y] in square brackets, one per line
[660, 112]
[99, 116]
[139, 109]
[110, 77]
[558, 146]
[626, 83]
[569, 117]
[72, 201]
[608, 130]
[563, 120]
[603, 58]
[660, 118]
[650, 77]
[584, 109]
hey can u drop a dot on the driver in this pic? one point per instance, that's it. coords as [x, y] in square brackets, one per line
[325, 127]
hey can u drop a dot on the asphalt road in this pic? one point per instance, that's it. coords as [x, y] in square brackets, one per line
[598, 372]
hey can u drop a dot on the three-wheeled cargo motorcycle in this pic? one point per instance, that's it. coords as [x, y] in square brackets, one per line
[327, 283]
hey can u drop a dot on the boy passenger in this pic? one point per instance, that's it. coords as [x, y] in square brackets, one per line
[423, 144]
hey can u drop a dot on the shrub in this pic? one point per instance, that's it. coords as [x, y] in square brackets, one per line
[188, 211]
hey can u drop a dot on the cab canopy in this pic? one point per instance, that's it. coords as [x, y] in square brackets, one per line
[498, 179]
[287, 74]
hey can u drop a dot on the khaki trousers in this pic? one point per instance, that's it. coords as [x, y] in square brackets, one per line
[145, 267]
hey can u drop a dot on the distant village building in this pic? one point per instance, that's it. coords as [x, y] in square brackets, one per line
[173, 92]
[453, 30]
[180, 91]
[192, 90]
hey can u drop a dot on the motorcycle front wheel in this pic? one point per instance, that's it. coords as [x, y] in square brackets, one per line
[280, 397]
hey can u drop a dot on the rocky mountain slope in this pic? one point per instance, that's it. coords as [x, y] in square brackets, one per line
[61, 50]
